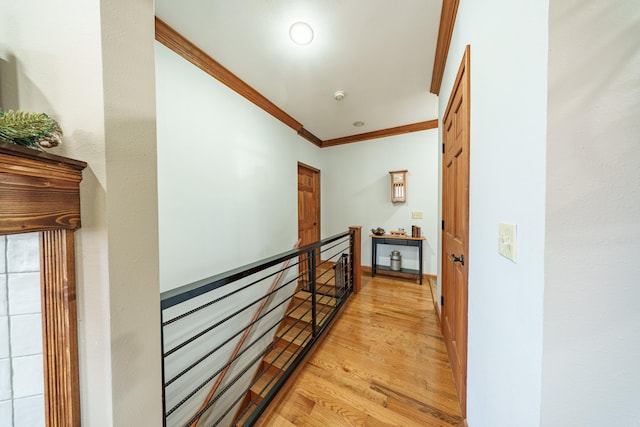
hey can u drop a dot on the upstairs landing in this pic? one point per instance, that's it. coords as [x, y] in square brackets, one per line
[383, 362]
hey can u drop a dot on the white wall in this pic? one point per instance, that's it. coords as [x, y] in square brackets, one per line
[310, 154]
[591, 318]
[507, 183]
[227, 197]
[40, 72]
[132, 209]
[356, 191]
[89, 64]
[227, 176]
[231, 198]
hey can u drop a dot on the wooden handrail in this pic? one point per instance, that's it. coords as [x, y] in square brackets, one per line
[215, 386]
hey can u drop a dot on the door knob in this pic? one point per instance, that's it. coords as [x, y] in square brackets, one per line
[456, 259]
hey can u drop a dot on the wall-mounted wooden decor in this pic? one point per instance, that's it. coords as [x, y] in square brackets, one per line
[398, 186]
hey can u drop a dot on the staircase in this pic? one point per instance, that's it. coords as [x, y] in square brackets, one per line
[295, 332]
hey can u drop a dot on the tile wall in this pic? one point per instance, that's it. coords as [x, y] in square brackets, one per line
[21, 377]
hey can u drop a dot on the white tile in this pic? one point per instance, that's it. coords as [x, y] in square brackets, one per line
[29, 411]
[26, 335]
[23, 253]
[3, 245]
[24, 293]
[4, 337]
[4, 307]
[6, 414]
[28, 377]
[5, 379]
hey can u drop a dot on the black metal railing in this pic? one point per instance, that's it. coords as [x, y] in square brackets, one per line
[231, 341]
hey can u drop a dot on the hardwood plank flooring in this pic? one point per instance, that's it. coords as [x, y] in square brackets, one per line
[383, 363]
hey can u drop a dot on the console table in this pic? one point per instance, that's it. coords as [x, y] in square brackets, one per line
[387, 239]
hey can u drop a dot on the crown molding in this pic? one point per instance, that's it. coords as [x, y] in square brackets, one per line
[310, 137]
[175, 41]
[414, 127]
[192, 53]
[447, 22]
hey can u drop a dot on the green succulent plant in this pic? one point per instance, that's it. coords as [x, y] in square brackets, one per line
[34, 130]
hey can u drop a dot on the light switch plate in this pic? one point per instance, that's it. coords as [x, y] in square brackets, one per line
[507, 240]
[416, 215]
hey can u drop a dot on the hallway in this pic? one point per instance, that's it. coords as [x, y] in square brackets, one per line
[384, 363]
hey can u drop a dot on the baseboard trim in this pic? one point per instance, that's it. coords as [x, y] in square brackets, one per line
[430, 277]
[434, 297]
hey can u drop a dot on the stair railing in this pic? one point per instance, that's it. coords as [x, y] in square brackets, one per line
[242, 337]
[245, 334]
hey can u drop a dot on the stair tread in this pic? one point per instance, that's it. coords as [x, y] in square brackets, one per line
[262, 386]
[294, 334]
[279, 358]
[303, 314]
[305, 296]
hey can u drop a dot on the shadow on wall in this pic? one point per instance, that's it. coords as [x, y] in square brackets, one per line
[17, 90]
[8, 83]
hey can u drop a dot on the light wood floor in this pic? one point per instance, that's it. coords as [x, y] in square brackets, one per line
[383, 363]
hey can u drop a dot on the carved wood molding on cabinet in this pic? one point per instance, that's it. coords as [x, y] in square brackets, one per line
[40, 192]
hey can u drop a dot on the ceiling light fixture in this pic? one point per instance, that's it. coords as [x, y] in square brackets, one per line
[301, 33]
[358, 124]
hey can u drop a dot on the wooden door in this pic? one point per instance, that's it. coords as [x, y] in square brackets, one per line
[455, 231]
[308, 204]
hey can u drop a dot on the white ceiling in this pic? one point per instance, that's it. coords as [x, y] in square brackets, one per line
[379, 52]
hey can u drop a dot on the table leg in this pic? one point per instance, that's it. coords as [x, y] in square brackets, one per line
[373, 257]
[420, 261]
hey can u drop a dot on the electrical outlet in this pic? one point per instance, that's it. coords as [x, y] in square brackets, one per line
[507, 240]
[416, 215]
